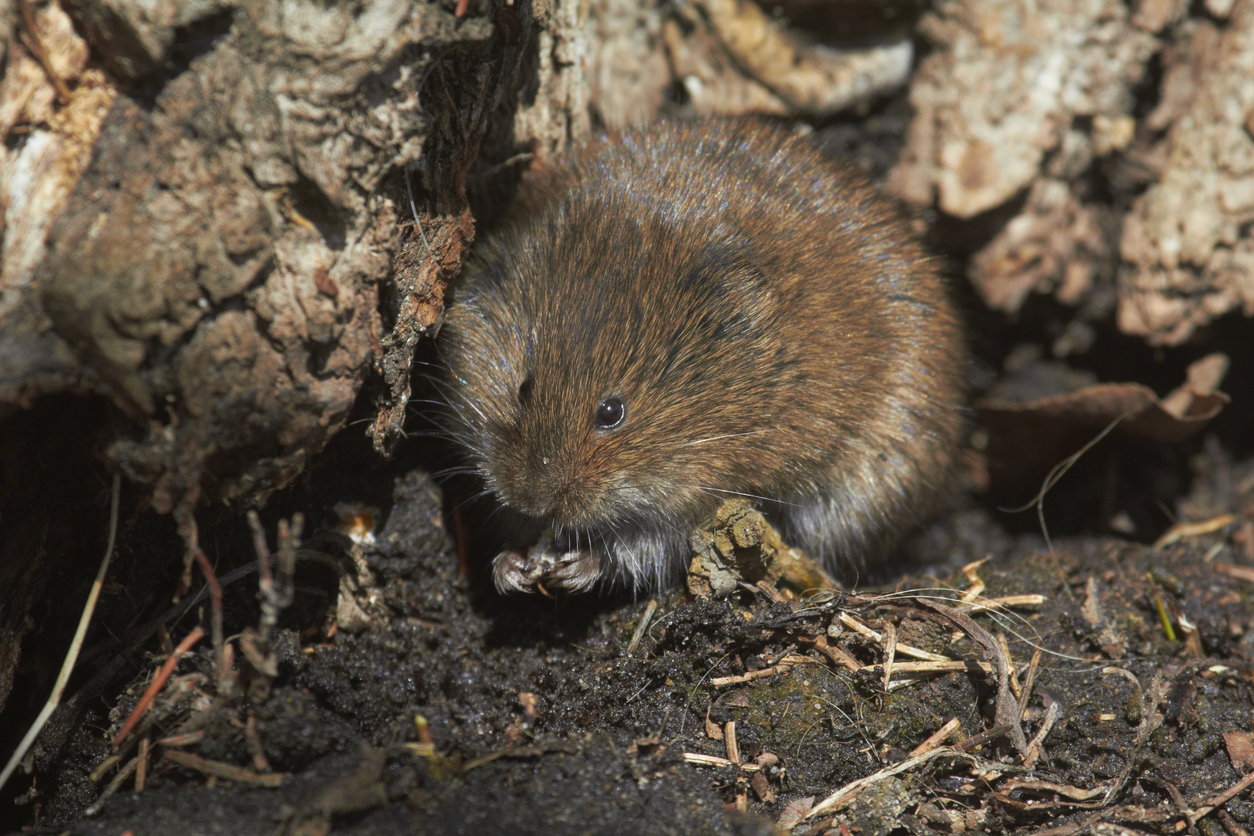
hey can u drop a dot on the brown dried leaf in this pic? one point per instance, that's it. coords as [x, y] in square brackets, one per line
[1026, 435]
[762, 788]
[1240, 750]
[712, 729]
[795, 812]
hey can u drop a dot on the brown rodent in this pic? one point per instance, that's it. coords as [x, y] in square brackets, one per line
[693, 311]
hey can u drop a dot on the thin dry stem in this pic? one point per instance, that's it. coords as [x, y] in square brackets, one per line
[71, 656]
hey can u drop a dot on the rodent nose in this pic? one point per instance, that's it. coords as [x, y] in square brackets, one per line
[545, 486]
[557, 493]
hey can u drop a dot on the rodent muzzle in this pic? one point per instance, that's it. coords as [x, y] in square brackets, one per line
[550, 493]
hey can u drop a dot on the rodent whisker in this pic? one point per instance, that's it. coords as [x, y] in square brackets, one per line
[459, 470]
[430, 401]
[768, 499]
[468, 500]
[442, 366]
[445, 432]
[471, 404]
[440, 434]
[730, 435]
[444, 390]
[447, 391]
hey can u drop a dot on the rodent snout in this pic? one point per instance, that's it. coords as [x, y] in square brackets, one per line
[549, 488]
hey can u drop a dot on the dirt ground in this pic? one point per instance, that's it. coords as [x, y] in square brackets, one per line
[540, 719]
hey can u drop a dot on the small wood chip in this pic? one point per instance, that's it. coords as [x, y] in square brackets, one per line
[937, 738]
[721, 681]
[904, 649]
[222, 770]
[762, 788]
[1181, 531]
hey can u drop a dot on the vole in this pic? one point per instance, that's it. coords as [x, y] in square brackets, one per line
[693, 311]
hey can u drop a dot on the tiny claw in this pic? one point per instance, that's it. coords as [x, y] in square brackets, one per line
[514, 570]
[574, 571]
[509, 572]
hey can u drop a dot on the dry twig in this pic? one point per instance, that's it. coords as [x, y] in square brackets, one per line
[723, 681]
[157, 683]
[642, 626]
[1181, 531]
[191, 539]
[937, 738]
[850, 791]
[1007, 708]
[217, 769]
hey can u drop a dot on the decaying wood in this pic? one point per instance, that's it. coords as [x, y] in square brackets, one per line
[215, 271]
[732, 57]
[1186, 244]
[1026, 116]
[1005, 89]
[209, 248]
[228, 263]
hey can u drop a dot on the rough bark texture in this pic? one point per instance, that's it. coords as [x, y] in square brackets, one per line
[219, 271]
[1031, 121]
[1186, 243]
[468, 88]
[1006, 88]
[214, 273]
[211, 257]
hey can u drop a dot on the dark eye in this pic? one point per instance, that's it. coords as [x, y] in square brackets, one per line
[524, 390]
[611, 413]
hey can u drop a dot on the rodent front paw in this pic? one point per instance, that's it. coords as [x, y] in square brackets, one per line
[515, 570]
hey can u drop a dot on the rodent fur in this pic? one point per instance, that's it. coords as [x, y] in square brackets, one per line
[770, 323]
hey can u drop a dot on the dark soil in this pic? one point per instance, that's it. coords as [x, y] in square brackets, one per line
[541, 722]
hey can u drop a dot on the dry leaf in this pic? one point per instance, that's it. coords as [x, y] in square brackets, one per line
[1240, 750]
